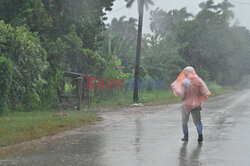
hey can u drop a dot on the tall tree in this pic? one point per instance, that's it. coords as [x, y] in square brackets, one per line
[121, 37]
[141, 4]
[66, 33]
[164, 23]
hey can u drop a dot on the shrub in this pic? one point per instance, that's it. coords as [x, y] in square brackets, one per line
[29, 60]
[5, 82]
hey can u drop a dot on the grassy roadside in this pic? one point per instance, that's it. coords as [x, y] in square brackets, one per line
[154, 97]
[168, 97]
[24, 126]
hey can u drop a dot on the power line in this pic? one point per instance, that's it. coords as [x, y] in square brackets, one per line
[239, 2]
[117, 10]
[242, 3]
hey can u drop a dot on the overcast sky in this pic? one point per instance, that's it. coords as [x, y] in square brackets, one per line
[241, 10]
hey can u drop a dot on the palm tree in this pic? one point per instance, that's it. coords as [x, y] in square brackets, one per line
[164, 23]
[226, 13]
[141, 4]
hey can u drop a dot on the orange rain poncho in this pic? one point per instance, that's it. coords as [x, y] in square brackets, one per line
[197, 91]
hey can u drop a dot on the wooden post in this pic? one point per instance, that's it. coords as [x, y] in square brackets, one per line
[88, 98]
[79, 92]
[61, 91]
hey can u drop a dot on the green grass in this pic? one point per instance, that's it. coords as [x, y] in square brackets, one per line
[25, 126]
[217, 89]
[158, 98]
[68, 88]
[154, 97]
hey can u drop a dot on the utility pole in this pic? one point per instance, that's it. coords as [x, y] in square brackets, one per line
[138, 51]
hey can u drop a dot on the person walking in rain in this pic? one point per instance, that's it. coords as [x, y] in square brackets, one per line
[193, 91]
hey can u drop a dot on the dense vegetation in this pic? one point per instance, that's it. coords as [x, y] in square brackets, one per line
[5, 82]
[43, 38]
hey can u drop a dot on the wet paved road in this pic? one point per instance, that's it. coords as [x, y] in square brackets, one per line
[153, 139]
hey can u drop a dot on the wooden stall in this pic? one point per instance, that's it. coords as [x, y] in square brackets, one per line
[80, 94]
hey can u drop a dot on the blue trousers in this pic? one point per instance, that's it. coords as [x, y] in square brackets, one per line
[196, 114]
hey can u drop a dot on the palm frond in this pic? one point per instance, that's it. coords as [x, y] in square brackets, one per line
[129, 3]
[147, 3]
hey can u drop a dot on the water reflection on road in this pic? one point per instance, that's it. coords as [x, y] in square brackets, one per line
[153, 139]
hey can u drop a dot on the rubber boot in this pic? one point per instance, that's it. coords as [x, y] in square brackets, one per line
[185, 132]
[199, 130]
[200, 138]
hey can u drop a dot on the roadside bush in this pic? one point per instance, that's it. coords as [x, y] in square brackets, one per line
[5, 82]
[29, 60]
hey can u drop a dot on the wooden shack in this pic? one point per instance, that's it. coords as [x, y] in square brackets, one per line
[81, 94]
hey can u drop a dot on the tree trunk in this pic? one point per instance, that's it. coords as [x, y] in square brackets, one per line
[138, 51]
